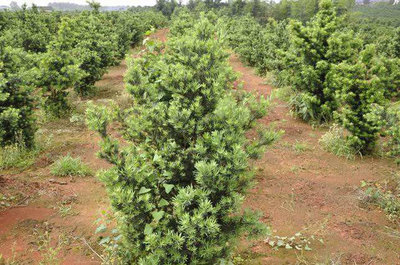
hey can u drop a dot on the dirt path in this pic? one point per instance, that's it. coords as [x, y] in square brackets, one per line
[49, 222]
[302, 188]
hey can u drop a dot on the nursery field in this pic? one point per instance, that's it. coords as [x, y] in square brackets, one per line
[200, 134]
[297, 188]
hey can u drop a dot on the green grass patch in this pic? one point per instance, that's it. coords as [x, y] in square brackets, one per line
[18, 156]
[69, 166]
[301, 147]
[283, 93]
[334, 141]
[385, 195]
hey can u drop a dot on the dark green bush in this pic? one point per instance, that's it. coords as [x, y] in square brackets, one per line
[357, 91]
[16, 101]
[316, 47]
[178, 181]
[58, 70]
[93, 44]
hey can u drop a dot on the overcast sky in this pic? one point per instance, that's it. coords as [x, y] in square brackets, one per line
[82, 2]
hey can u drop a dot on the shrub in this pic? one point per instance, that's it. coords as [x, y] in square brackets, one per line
[390, 117]
[123, 31]
[395, 44]
[101, 40]
[393, 131]
[69, 166]
[54, 52]
[358, 91]
[32, 31]
[179, 178]
[17, 124]
[58, 70]
[388, 72]
[259, 46]
[92, 43]
[248, 40]
[315, 48]
[305, 106]
[182, 22]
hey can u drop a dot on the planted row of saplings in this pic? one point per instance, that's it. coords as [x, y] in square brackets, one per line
[333, 74]
[52, 53]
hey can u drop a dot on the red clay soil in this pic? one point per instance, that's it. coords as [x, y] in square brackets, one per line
[308, 191]
[316, 193]
[160, 35]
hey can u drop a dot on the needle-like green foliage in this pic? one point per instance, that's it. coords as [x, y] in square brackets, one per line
[358, 90]
[315, 48]
[179, 178]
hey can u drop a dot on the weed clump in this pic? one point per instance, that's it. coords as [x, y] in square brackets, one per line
[385, 195]
[17, 155]
[69, 166]
[334, 141]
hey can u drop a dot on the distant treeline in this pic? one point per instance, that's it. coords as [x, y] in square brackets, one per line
[66, 6]
[382, 12]
[301, 10]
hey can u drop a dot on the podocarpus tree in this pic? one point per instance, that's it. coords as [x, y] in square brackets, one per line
[123, 31]
[182, 21]
[58, 70]
[395, 44]
[259, 46]
[393, 131]
[388, 71]
[31, 30]
[16, 100]
[315, 47]
[178, 182]
[249, 38]
[95, 49]
[358, 90]
[389, 117]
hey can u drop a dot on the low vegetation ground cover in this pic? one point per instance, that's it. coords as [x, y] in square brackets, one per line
[70, 166]
[384, 194]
